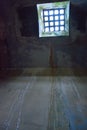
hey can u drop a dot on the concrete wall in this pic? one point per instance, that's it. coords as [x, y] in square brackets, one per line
[25, 52]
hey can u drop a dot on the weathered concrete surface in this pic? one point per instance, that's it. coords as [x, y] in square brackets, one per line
[25, 52]
[43, 103]
[24, 103]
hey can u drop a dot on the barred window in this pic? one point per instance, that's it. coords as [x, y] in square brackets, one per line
[54, 19]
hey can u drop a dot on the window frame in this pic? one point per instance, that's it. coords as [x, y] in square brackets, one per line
[53, 6]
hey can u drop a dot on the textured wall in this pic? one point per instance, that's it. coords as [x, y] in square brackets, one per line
[27, 52]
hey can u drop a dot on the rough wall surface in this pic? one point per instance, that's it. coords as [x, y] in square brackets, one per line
[27, 52]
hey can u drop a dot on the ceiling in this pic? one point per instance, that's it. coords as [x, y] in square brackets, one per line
[4, 4]
[77, 2]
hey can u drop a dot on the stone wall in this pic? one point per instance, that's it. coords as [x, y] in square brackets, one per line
[25, 52]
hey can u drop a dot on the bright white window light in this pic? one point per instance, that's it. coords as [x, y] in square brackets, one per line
[62, 28]
[61, 17]
[56, 11]
[46, 29]
[56, 17]
[51, 29]
[56, 28]
[45, 12]
[51, 17]
[56, 23]
[46, 24]
[51, 12]
[61, 22]
[46, 18]
[51, 23]
[62, 11]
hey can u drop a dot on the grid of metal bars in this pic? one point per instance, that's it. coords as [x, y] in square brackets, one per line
[54, 19]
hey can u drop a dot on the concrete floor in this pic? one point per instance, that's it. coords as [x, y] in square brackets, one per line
[43, 103]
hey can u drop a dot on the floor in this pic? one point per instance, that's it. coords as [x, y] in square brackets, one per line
[43, 103]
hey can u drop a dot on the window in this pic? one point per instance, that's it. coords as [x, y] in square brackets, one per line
[53, 19]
